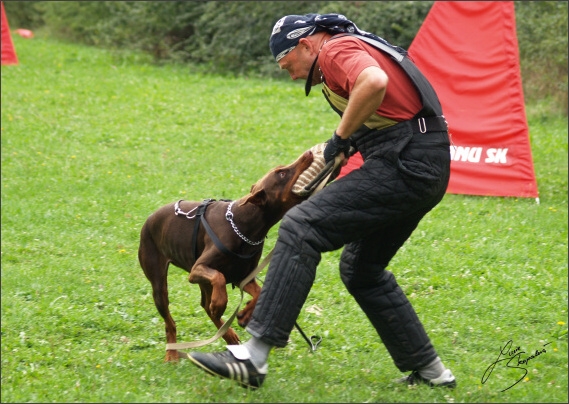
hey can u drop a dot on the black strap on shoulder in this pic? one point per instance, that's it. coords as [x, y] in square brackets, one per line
[200, 217]
[386, 48]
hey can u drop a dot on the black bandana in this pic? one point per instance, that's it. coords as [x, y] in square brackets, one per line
[288, 31]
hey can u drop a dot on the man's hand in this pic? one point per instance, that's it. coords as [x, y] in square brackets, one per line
[335, 146]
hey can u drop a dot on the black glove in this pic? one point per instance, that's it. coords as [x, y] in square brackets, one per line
[335, 146]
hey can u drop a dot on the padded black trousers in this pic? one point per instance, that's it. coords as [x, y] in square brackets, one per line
[370, 212]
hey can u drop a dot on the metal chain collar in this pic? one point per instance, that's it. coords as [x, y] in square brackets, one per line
[229, 217]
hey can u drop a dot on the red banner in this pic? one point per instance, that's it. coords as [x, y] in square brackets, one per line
[469, 52]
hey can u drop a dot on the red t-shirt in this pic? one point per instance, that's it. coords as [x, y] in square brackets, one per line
[343, 59]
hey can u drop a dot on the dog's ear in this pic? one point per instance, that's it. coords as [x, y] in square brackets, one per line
[258, 198]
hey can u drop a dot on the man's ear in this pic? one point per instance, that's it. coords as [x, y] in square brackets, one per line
[258, 198]
[307, 43]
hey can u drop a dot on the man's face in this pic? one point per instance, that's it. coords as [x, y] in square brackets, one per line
[298, 61]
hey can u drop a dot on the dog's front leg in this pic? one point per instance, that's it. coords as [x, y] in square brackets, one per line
[214, 297]
[244, 316]
[214, 293]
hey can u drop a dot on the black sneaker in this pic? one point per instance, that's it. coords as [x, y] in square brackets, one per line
[224, 364]
[445, 380]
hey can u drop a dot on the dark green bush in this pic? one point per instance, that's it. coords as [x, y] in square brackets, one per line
[232, 37]
[23, 14]
[542, 35]
[226, 36]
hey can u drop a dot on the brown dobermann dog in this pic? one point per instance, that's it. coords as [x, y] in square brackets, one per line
[225, 249]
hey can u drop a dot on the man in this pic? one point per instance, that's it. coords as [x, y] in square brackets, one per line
[392, 116]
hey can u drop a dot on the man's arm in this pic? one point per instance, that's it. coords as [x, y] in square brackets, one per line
[366, 96]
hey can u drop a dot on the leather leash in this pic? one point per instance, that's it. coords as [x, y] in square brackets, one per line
[222, 330]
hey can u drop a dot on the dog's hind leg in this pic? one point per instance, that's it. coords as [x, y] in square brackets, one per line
[155, 267]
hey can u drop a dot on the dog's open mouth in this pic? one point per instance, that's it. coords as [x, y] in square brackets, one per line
[308, 180]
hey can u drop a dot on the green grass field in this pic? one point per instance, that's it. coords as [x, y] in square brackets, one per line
[92, 144]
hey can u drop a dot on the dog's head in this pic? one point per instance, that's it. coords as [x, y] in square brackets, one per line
[274, 192]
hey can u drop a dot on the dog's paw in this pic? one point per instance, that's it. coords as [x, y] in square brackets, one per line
[231, 337]
[244, 316]
[172, 356]
[243, 323]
